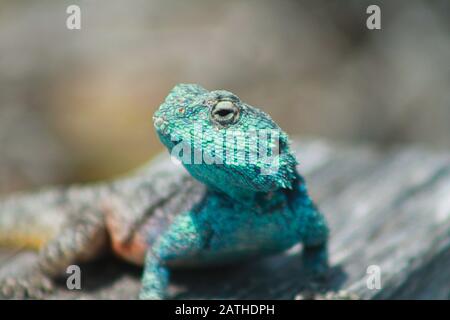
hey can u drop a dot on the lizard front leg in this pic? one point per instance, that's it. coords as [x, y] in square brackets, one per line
[181, 244]
[82, 238]
[315, 259]
[312, 230]
[315, 238]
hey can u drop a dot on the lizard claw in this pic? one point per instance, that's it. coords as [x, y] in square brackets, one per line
[28, 286]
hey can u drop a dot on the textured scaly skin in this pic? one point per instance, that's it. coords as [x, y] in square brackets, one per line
[244, 213]
[80, 223]
[229, 213]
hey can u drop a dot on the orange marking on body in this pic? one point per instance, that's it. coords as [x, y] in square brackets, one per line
[132, 251]
[132, 247]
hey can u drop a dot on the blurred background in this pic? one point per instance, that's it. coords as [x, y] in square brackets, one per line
[76, 105]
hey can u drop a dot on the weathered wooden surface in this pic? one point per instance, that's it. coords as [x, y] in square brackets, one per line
[386, 208]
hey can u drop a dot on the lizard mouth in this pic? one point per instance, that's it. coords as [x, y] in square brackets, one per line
[166, 135]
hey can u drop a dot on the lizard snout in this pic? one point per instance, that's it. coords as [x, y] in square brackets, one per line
[160, 123]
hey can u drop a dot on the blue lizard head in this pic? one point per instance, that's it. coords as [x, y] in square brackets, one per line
[223, 142]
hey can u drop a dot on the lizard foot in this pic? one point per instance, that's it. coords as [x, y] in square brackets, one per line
[29, 286]
[150, 296]
[315, 262]
[328, 295]
[316, 289]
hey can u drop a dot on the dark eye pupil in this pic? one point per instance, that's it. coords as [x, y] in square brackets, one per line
[224, 112]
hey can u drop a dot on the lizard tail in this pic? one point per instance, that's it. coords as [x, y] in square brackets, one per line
[30, 220]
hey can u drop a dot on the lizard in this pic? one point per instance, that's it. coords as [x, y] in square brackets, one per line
[228, 208]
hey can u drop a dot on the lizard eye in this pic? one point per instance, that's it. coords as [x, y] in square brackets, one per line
[225, 113]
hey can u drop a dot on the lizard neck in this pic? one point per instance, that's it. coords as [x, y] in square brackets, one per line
[259, 202]
[221, 182]
[240, 195]
[218, 181]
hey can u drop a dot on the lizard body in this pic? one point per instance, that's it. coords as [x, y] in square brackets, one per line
[216, 211]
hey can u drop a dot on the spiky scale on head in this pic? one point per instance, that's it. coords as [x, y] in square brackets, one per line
[225, 143]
